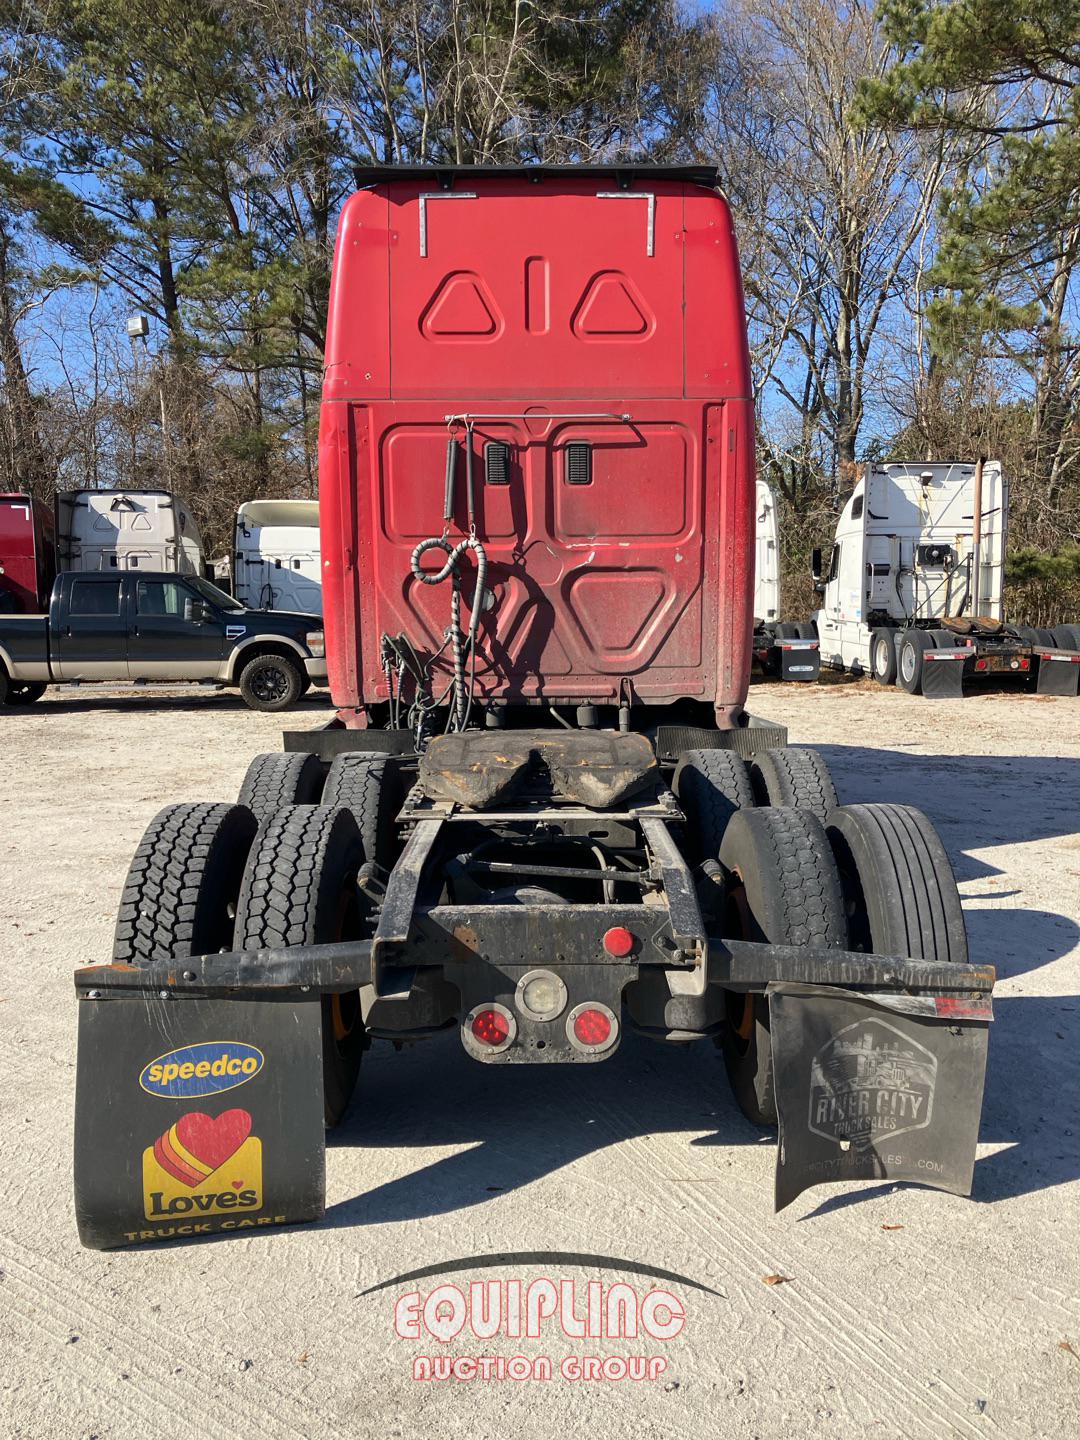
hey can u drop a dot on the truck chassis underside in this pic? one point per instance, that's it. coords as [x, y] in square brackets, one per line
[596, 911]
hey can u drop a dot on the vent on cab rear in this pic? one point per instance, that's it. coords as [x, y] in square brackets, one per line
[497, 463]
[579, 463]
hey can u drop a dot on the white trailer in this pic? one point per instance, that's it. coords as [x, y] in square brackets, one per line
[784, 649]
[277, 562]
[126, 530]
[914, 586]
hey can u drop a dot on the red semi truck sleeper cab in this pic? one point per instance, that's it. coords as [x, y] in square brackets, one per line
[580, 337]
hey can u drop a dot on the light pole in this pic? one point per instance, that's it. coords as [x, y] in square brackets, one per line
[138, 328]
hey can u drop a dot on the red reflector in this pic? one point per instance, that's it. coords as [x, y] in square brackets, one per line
[1025, 664]
[980, 664]
[490, 1027]
[592, 1027]
[619, 942]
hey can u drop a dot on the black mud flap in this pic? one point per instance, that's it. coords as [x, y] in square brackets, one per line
[800, 660]
[943, 673]
[194, 1116]
[1058, 674]
[882, 1087]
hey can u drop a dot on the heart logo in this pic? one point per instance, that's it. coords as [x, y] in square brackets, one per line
[197, 1145]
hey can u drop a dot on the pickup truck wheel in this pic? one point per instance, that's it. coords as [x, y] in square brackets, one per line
[795, 776]
[180, 894]
[911, 646]
[299, 888]
[711, 785]
[900, 896]
[271, 682]
[275, 780]
[369, 786]
[21, 692]
[883, 656]
[781, 886]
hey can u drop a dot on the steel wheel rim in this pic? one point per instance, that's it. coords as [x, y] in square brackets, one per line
[907, 661]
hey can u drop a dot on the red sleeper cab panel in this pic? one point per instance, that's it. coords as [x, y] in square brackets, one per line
[550, 311]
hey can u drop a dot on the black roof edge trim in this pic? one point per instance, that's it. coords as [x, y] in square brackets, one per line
[625, 173]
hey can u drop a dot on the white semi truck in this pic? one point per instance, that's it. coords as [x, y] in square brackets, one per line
[276, 563]
[783, 649]
[913, 592]
[126, 530]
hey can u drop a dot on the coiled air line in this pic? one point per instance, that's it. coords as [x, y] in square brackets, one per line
[462, 644]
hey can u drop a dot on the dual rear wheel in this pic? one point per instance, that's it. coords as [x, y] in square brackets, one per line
[276, 869]
[799, 868]
[873, 878]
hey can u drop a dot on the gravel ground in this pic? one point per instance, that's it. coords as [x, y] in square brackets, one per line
[907, 1312]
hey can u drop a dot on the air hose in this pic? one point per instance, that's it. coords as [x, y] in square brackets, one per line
[461, 645]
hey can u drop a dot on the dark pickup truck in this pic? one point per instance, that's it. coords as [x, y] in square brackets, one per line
[160, 627]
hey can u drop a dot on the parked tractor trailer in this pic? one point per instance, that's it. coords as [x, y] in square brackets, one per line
[913, 591]
[87, 531]
[541, 817]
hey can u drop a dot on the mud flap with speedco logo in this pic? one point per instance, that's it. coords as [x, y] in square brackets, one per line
[882, 1087]
[194, 1116]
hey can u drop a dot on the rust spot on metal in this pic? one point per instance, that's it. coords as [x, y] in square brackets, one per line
[466, 936]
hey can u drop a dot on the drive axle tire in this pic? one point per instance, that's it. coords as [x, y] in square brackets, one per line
[299, 888]
[795, 776]
[781, 886]
[271, 682]
[275, 780]
[911, 646]
[900, 894]
[807, 630]
[370, 786]
[711, 786]
[22, 692]
[180, 894]
[883, 656]
[1066, 637]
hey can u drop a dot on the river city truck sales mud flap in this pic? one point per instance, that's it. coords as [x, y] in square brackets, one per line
[199, 1105]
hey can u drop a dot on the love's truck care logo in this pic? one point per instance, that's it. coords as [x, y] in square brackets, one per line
[203, 1069]
[203, 1166]
[870, 1082]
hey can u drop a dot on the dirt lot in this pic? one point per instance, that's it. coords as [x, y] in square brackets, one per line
[907, 1312]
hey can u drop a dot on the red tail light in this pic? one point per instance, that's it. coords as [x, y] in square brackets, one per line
[592, 1027]
[490, 1027]
[980, 664]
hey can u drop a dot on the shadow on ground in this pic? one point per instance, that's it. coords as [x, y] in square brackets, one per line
[71, 700]
[976, 801]
[520, 1123]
